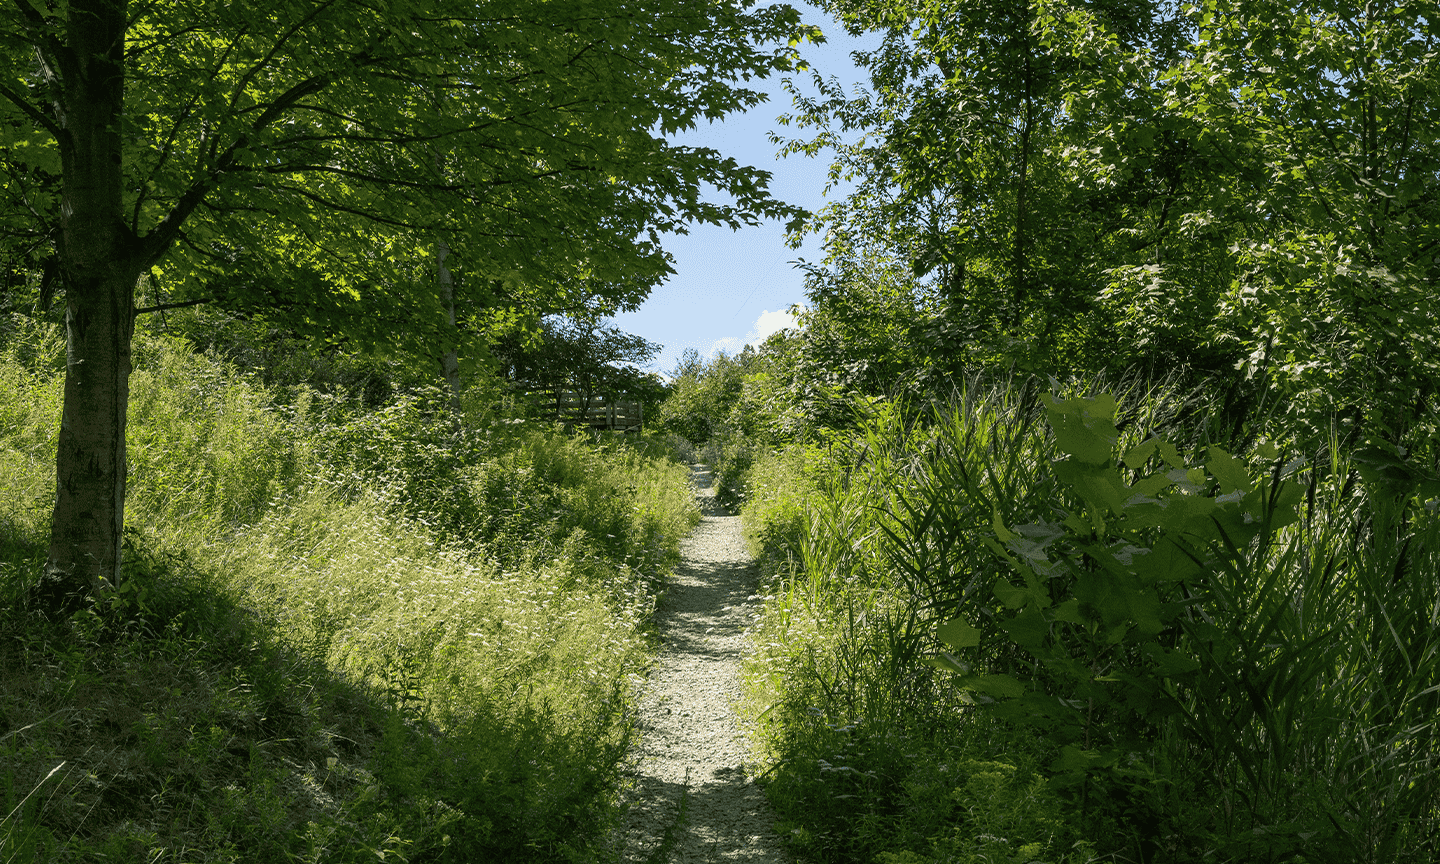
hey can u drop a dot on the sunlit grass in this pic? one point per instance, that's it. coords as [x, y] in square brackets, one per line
[342, 635]
[379, 602]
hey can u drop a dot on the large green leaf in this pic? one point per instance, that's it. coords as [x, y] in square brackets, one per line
[1028, 628]
[958, 634]
[1228, 470]
[1099, 486]
[1084, 428]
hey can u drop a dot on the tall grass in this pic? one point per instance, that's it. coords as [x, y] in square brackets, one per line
[27, 421]
[343, 634]
[1307, 734]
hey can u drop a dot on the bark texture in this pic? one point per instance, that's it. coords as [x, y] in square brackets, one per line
[450, 360]
[99, 262]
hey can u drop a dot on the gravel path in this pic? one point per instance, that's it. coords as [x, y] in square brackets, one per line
[691, 801]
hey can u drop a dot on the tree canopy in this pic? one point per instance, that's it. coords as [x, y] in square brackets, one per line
[311, 158]
[1248, 192]
[304, 158]
[588, 358]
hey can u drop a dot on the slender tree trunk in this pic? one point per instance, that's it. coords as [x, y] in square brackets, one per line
[450, 360]
[100, 263]
[1027, 123]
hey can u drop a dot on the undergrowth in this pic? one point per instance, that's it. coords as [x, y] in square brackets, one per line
[343, 633]
[913, 705]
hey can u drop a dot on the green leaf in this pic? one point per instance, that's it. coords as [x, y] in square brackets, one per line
[1144, 608]
[1100, 487]
[1084, 428]
[999, 686]
[1028, 629]
[957, 633]
[1005, 534]
[1189, 514]
[1286, 504]
[1148, 487]
[1069, 611]
[1229, 471]
[1170, 663]
[1389, 471]
[1167, 562]
[947, 662]
[1140, 453]
[1012, 597]
[1072, 758]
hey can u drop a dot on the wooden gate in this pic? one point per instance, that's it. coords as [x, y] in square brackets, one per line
[598, 412]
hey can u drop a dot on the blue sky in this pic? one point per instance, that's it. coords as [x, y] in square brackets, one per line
[733, 287]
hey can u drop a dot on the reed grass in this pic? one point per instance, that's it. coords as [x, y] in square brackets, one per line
[1307, 735]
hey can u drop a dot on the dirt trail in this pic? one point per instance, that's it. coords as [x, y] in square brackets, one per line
[692, 752]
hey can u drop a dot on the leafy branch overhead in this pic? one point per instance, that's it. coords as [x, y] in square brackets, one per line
[305, 155]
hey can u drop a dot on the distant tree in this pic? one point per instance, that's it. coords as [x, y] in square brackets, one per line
[586, 358]
[1251, 192]
[704, 394]
[960, 170]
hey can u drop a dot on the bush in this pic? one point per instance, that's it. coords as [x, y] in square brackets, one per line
[1209, 699]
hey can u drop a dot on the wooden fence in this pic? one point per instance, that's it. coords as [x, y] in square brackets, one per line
[601, 412]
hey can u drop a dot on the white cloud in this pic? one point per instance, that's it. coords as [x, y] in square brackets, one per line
[769, 323]
[729, 345]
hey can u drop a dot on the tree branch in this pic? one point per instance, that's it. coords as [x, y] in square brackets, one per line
[30, 110]
[165, 307]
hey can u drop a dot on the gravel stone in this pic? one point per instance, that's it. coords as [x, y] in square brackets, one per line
[691, 745]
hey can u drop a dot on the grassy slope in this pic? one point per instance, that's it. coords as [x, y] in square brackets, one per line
[344, 634]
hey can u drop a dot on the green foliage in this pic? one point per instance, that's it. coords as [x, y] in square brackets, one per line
[416, 126]
[585, 357]
[1085, 187]
[171, 727]
[285, 362]
[208, 450]
[838, 673]
[1196, 653]
[520, 495]
[872, 792]
[775, 488]
[963, 175]
[28, 362]
[872, 327]
[317, 162]
[999, 813]
[1186, 611]
[296, 666]
[703, 395]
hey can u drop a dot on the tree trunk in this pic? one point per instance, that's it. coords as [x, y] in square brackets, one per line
[450, 360]
[100, 262]
[89, 511]
[1022, 290]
